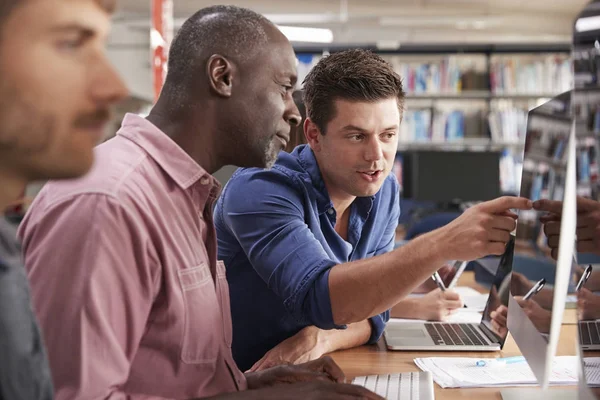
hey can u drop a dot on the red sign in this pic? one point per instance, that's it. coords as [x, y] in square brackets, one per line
[161, 34]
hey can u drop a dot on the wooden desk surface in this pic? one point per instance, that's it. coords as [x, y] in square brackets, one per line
[376, 359]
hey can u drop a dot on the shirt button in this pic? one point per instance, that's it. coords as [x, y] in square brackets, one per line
[205, 180]
[330, 211]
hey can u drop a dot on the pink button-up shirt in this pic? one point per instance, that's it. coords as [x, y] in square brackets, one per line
[122, 263]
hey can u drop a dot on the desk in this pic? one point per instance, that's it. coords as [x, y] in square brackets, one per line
[376, 359]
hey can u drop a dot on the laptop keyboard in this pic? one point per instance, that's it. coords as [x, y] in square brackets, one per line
[455, 334]
[404, 386]
[589, 332]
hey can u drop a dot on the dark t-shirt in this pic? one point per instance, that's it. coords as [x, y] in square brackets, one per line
[24, 371]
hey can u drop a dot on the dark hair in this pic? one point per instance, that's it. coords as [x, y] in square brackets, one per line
[355, 75]
[8, 6]
[233, 32]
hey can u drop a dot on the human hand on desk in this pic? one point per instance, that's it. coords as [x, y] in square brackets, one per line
[308, 344]
[436, 305]
[322, 369]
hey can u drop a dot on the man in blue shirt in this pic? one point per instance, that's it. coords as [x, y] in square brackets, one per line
[308, 244]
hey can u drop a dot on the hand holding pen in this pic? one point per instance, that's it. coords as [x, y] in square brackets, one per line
[535, 289]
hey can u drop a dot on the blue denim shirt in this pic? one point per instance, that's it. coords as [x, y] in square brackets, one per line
[276, 235]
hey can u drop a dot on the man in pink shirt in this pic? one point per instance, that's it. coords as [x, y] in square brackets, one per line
[122, 263]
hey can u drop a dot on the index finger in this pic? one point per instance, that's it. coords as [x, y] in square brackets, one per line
[551, 206]
[506, 203]
[328, 366]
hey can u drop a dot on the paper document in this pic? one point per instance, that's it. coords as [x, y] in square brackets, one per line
[454, 372]
[472, 298]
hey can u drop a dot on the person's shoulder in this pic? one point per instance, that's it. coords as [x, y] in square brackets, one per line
[390, 185]
[249, 187]
[117, 163]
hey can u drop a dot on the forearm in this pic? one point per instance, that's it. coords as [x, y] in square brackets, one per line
[407, 308]
[383, 281]
[354, 335]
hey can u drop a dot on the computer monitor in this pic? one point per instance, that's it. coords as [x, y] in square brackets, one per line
[586, 114]
[539, 282]
[451, 176]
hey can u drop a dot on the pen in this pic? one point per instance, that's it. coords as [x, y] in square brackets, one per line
[535, 289]
[459, 271]
[438, 281]
[584, 278]
[500, 361]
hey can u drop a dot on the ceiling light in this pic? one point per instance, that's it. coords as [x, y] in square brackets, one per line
[587, 24]
[303, 18]
[310, 35]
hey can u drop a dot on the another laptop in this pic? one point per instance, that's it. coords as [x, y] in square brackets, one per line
[589, 334]
[445, 336]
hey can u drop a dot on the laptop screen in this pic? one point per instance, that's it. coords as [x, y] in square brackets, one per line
[498, 298]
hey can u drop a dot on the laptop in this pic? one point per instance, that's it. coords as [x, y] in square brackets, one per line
[589, 334]
[445, 336]
[402, 386]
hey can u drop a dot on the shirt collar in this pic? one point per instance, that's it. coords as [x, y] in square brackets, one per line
[166, 153]
[307, 159]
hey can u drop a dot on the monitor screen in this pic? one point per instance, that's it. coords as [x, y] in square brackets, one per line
[448, 176]
[534, 265]
[586, 112]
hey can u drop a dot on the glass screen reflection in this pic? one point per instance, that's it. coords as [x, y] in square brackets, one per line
[543, 177]
[586, 112]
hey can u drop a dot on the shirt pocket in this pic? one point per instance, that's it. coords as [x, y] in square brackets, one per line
[202, 316]
[223, 292]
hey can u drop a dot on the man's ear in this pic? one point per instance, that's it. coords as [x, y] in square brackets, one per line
[312, 133]
[220, 75]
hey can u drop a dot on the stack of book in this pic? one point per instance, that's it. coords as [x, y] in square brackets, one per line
[519, 75]
[450, 74]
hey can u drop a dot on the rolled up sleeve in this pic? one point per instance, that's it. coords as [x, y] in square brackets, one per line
[93, 279]
[386, 245]
[264, 215]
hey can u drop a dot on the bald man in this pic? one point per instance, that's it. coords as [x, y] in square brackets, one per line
[122, 263]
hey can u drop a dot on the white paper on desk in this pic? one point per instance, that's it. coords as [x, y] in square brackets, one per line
[453, 372]
[472, 298]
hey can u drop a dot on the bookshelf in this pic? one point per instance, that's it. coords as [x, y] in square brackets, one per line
[470, 97]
